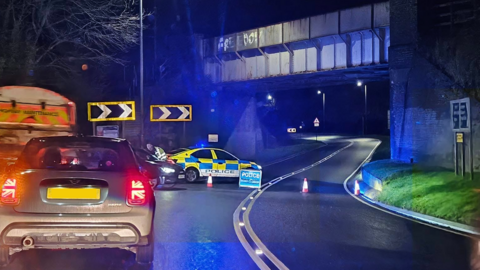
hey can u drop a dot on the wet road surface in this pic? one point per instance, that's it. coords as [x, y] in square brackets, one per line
[325, 229]
[328, 229]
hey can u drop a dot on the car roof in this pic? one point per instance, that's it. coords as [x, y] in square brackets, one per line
[207, 148]
[79, 139]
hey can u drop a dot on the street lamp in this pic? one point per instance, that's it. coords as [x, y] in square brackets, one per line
[269, 97]
[359, 84]
[319, 92]
[142, 137]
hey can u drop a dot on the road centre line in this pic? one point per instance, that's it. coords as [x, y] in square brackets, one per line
[252, 197]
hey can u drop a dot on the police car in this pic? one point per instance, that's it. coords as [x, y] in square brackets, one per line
[202, 162]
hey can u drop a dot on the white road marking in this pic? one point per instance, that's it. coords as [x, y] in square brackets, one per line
[387, 211]
[252, 197]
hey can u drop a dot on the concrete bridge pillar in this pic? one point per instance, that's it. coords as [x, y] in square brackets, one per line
[236, 121]
[246, 139]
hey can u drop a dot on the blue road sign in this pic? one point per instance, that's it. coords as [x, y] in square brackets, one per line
[250, 178]
[460, 114]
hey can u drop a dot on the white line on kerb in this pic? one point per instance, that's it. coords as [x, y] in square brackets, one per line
[255, 194]
[371, 204]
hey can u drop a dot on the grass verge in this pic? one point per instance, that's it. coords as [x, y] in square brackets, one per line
[433, 192]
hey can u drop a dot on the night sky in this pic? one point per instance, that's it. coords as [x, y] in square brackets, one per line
[216, 17]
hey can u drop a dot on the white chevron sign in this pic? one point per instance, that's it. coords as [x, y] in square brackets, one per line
[126, 110]
[166, 113]
[105, 111]
[170, 113]
[111, 111]
[184, 111]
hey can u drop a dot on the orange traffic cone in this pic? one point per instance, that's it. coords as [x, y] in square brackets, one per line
[305, 186]
[357, 188]
[210, 182]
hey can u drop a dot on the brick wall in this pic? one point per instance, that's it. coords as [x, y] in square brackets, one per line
[420, 92]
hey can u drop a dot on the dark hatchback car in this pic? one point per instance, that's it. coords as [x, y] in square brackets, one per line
[161, 172]
[76, 192]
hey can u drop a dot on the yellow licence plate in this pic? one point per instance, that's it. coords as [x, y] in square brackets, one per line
[73, 193]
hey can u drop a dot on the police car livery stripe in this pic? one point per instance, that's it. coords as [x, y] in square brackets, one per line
[205, 166]
[232, 167]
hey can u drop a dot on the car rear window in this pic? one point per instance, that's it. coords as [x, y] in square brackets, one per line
[77, 156]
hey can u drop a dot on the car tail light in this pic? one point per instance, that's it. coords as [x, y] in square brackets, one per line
[171, 161]
[136, 193]
[9, 192]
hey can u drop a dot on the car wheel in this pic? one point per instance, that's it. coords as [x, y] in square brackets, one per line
[191, 175]
[146, 253]
[5, 256]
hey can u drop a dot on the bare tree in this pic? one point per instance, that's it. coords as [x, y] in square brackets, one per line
[63, 34]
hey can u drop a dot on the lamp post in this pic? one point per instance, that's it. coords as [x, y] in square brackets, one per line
[142, 135]
[359, 84]
[319, 92]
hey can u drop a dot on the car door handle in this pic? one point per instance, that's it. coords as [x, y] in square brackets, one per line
[199, 162]
[220, 163]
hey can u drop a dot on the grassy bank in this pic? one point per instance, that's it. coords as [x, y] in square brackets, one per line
[437, 193]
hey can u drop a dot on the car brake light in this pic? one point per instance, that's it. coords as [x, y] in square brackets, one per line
[9, 192]
[136, 193]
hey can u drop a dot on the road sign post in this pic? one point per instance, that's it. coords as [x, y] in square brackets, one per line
[461, 121]
[316, 123]
[172, 113]
[459, 147]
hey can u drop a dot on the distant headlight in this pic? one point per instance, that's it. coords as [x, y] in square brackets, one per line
[167, 170]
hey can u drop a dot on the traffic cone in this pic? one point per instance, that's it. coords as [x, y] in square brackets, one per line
[210, 182]
[305, 186]
[357, 188]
